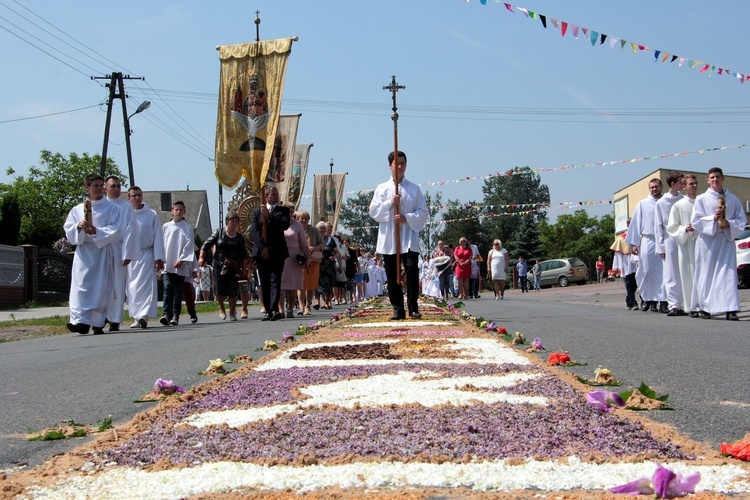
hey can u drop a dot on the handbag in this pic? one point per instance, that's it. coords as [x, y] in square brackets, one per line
[301, 259]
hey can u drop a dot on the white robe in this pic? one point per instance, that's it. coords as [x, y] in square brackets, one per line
[179, 243]
[668, 246]
[142, 287]
[412, 206]
[371, 288]
[92, 275]
[679, 218]
[127, 248]
[433, 282]
[648, 276]
[716, 253]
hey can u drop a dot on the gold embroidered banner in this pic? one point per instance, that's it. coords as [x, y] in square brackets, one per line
[250, 89]
[282, 158]
[296, 184]
[328, 192]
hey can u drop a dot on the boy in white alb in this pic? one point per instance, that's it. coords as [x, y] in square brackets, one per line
[178, 255]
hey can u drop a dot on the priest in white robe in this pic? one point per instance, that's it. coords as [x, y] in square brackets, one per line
[641, 238]
[126, 251]
[715, 250]
[681, 230]
[142, 287]
[92, 276]
[666, 246]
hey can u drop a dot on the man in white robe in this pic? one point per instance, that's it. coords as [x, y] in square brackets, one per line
[142, 287]
[715, 250]
[405, 212]
[92, 274]
[681, 230]
[641, 239]
[666, 247]
[124, 252]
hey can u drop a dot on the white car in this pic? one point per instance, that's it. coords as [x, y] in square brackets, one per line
[743, 258]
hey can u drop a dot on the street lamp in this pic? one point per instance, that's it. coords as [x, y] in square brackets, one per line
[142, 107]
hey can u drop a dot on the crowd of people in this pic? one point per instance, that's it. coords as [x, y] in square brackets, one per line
[679, 251]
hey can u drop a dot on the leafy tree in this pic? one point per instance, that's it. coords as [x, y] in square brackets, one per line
[517, 192]
[578, 235]
[10, 220]
[461, 220]
[355, 219]
[429, 235]
[50, 191]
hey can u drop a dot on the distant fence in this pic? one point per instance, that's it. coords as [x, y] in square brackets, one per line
[32, 274]
[12, 275]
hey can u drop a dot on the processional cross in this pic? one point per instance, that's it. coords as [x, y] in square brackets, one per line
[393, 88]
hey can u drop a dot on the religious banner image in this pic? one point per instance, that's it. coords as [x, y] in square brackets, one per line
[282, 158]
[296, 184]
[328, 192]
[250, 90]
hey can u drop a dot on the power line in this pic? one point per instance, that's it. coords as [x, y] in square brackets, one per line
[50, 114]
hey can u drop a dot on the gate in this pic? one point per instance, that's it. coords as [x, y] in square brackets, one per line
[53, 276]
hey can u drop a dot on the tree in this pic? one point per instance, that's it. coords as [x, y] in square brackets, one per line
[355, 219]
[428, 235]
[514, 195]
[10, 220]
[50, 191]
[527, 242]
[578, 235]
[461, 219]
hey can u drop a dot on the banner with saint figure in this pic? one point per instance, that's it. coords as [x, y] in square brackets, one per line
[327, 196]
[250, 89]
[296, 184]
[282, 158]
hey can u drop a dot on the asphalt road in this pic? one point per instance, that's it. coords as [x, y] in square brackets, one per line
[703, 365]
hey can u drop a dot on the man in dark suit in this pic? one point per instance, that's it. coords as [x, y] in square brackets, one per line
[270, 252]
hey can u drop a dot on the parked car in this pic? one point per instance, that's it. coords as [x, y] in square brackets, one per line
[563, 272]
[743, 258]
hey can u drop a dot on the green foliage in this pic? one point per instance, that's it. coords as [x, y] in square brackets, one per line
[463, 222]
[10, 219]
[578, 235]
[519, 232]
[49, 192]
[355, 219]
[104, 424]
[429, 235]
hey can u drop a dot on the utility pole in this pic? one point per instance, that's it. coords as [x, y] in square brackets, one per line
[117, 91]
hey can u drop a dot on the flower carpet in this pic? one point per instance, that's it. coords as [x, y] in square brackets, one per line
[363, 406]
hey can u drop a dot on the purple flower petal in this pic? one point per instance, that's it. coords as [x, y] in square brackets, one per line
[617, 399]
[662, 478]
[598, 399]
[640, 486]
[679, 486]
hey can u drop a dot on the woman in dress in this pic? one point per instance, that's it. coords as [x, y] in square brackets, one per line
[463, 255]
[497, 265]
[230, 262]
[299, 256]
[310, 272]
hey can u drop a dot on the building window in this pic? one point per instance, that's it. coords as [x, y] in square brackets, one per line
[166, 202]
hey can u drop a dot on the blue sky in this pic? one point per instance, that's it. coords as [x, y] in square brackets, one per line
[486, 90]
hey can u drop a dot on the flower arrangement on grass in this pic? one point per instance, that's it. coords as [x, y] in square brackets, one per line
[287, 337]
[215, 367]
[739, 450]
[558, 358]
[166, 387]
[536, 345]
[270, 345]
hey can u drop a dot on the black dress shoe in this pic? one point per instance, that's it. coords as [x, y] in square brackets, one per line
[276, 316]
[266, 317]
[705, 315]
[663, 308]
[98, 330]
[114, 327]
[644, 306]
[732, 316]
[398, 315]
[415, 315]
[694, 314]
[81, 328]
[653, 307]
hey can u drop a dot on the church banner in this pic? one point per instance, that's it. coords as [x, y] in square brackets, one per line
[250, 89]
[282, 158]
[296, 184]
[328, 192]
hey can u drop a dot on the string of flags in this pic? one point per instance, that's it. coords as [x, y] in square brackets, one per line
[527, 208]
[517, 171]
[596, 37]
